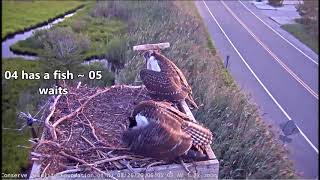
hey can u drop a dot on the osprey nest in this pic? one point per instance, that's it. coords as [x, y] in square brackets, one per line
[82, 132]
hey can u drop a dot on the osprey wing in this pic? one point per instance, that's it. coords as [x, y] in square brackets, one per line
[158, 111]
[162, 85]
[167, 66]
[158, 140]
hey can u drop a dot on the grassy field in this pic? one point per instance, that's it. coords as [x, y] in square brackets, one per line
[244, 143]
[18, 15]
[300, 32]
[15, 159]
[102, 32]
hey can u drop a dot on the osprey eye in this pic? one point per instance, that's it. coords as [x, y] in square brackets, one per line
[132, 122]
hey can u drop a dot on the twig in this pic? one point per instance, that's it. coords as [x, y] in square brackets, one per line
[113, 159]
[88, 141]
[78, 109]
[142, 88]
[47, 123]
[104, 148]
[44, 171]
[92, 128]
[115, 163]
[69, 171]
[184, 165]
[26, 147]
[48, 142]
[69, 135]
[127, 164]
[84, 163]
[153, 164]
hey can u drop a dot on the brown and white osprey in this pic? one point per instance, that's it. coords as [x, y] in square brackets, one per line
[164, 80]
[160, 131]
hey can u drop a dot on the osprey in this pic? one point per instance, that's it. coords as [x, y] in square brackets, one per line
[160, 131]
[164, 80]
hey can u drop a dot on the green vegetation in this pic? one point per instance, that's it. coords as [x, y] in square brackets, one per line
[300, 32]
[244, 143]
[100, 30]
[275, 3]
[21, 15]
[306, 29]
[15, 159]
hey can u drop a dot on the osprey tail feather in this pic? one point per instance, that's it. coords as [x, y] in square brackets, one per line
[200, 135]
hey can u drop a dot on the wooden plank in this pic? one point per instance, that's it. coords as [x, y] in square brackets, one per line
[198, 170]
[144, 47]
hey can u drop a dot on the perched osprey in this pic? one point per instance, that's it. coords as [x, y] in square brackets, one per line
[160, 131]
[164, 80]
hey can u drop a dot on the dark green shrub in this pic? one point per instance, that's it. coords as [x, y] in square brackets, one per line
[275, 2]
[79, 25]
[116, 51]
[108, 9]
[309, 11]
[107, 76]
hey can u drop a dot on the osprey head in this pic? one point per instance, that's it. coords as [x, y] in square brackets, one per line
[151, 60]
[132, 122]
[138, 121]
[148, 54]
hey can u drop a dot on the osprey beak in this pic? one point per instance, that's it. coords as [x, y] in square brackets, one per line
[132, 122]
[146, 55]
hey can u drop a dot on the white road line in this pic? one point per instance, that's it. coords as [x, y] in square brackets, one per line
[256, 77]
[275, 57]
[312, 60]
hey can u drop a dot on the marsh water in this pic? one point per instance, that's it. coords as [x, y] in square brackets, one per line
[7, 53]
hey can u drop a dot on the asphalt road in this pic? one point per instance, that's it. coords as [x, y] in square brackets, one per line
[282, 78]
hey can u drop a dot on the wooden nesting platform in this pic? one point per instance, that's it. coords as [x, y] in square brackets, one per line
[82, 138]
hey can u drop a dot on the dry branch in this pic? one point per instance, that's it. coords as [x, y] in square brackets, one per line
[78, 109]
[47, 120]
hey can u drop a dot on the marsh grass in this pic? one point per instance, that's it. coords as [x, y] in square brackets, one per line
[20, 15]
[100, 30]
[244, 144]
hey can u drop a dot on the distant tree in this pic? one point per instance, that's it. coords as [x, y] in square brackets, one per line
[275, 2]
[309, 15]
[63, 49]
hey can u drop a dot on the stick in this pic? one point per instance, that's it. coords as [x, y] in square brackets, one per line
[69, 171]
[91, 144]
[104, 148]
[92, 128]
[83, 162]
[44, 171]
[112, 159]
[46, 122]
[78, 109]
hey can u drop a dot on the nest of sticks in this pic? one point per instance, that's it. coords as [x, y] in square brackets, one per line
[82, 132]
